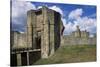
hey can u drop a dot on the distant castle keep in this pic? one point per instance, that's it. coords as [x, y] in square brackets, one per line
[78, 38]
[42, 37]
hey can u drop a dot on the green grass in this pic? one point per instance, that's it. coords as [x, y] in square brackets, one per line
[71, 54]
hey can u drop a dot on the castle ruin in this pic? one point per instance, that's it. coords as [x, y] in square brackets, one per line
[78, 37]
[43, 35]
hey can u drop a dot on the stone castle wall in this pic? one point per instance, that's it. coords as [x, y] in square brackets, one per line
[78, 41]
[18, 40]
[78, 38]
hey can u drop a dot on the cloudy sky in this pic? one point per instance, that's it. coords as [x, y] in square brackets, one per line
[71, 15]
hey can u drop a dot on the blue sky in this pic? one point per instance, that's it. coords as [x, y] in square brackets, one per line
[66, 8]
[89, 11]
[72, 15]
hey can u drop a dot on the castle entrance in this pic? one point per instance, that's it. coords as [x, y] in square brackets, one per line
[38, 40]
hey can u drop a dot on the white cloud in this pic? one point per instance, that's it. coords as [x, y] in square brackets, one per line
[57, 9]
[64, 21]
[20, 7]
[91, 35]
[85, 23]
[68, 28]
[75, 13]
[19, 13]
[39, 7]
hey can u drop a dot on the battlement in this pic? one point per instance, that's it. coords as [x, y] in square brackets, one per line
[78, 38]
[79, 34]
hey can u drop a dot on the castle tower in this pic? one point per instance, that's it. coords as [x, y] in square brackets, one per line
[78, 32]
[44, 30]
[43, 36]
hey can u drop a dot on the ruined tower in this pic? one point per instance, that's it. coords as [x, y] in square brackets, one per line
[44, 30]
[78, 32]
[41, 39]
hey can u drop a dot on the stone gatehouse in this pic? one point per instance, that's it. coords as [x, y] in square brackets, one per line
[43, 35]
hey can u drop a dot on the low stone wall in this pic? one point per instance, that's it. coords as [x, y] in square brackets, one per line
[78, 41]
[19, 41]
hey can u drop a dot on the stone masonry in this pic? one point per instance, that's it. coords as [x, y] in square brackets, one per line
[78, 38]
[44, 24]
[43, 33]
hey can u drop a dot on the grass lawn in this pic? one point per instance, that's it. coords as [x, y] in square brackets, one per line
[71, 54]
